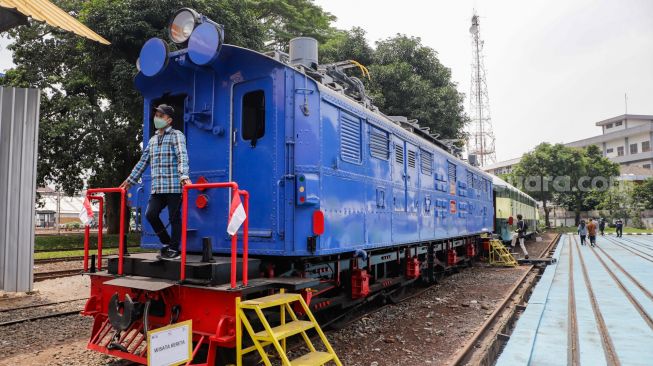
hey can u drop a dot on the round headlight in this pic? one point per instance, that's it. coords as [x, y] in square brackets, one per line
[182, 25]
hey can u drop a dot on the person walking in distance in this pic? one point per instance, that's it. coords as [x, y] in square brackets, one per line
[591, 232]
[166, 154]
[602, 226]
[582, 232]
[522, 226]
[620, 228]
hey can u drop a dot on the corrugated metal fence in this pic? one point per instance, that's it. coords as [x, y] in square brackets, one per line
[19, 121]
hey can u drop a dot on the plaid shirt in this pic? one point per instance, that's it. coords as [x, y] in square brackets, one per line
[169, 160]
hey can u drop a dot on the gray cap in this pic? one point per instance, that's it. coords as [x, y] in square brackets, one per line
[165, 109]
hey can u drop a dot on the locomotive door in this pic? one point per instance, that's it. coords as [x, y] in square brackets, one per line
[252, 150]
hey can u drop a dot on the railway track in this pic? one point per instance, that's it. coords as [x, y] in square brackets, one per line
[501, 319]
[56, 260]
[40, 276]
[39, 317]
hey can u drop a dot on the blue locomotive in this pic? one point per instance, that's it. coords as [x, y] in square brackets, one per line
[347, 203]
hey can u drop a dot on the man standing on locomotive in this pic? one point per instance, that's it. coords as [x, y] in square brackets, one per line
[166, 154]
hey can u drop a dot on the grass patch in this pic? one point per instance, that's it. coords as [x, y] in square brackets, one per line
[76, 241]
[79, 253]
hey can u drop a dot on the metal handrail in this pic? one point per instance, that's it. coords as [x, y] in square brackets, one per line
[234, 238]
[99, 235]
[121, 240]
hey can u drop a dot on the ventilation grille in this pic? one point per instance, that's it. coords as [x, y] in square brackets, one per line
[379, 144]
[411, 159]
[426, 162]
[399, 153]
[452, 172]
[350, 138]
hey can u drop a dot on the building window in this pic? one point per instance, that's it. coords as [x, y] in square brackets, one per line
[617, 124]
[633, 148]
[646, 166]
[609, 151]
[646, 146]
[253, 116]
[620, 151]
[609, 125]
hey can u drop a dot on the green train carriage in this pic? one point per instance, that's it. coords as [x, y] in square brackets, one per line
[508, 203]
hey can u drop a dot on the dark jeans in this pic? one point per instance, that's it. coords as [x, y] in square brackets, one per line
[592, 239]
[157, 203]
[582, 239]
[620, 231]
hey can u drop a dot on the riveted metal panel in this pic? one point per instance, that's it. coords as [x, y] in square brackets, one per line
[19, 117]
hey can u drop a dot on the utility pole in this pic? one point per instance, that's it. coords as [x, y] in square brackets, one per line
[481, 137]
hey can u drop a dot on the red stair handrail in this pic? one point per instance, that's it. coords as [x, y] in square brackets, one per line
[234, 238]
[121, 241]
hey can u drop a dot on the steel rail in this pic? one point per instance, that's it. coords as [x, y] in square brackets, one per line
[608, 346]
[573, 352]
[640, 309]
[40, 276]
[637, 283]
[467, 350]
[41, 305]
[53, 315]
[632, 250]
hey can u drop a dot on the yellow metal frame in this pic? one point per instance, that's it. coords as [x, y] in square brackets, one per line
[499, 255]
[277, 336]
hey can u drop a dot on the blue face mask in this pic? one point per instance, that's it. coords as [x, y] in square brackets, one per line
[160, 123]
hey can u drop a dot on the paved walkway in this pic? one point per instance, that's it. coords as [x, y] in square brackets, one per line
[593, 307]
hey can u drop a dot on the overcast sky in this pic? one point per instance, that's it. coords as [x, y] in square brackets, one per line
[554, 68]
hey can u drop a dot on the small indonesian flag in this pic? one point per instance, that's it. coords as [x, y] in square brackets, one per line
[86, 215]
[236, 214]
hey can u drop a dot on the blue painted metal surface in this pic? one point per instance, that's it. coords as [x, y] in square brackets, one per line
[619, 275]
[153, 57]
[204, 44]
[393, 190]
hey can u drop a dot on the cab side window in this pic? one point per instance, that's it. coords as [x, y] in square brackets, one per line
[253, 124]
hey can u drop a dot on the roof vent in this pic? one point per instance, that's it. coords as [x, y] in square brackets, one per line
[303, 51]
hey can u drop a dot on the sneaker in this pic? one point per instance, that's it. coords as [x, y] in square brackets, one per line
[173, 254]
[164, 250]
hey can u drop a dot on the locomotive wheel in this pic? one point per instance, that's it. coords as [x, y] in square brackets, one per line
[396, 296]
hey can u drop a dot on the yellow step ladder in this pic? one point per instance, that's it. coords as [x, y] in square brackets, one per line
[277, 335]
[499, 255]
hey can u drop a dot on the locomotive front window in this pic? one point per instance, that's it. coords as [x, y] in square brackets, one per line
[253, 115]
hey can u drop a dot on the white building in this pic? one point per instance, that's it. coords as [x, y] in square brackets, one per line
[625, 139]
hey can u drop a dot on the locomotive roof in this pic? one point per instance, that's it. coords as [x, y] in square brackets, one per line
[377, 117]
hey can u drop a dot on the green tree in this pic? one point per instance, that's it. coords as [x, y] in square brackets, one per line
[590, 174]
[535, 172]
[284, 20]
[643, 193]
[409, 80]
[347, 45]
[91, 115]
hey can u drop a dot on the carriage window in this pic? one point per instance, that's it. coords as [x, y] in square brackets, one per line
[253, 115]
